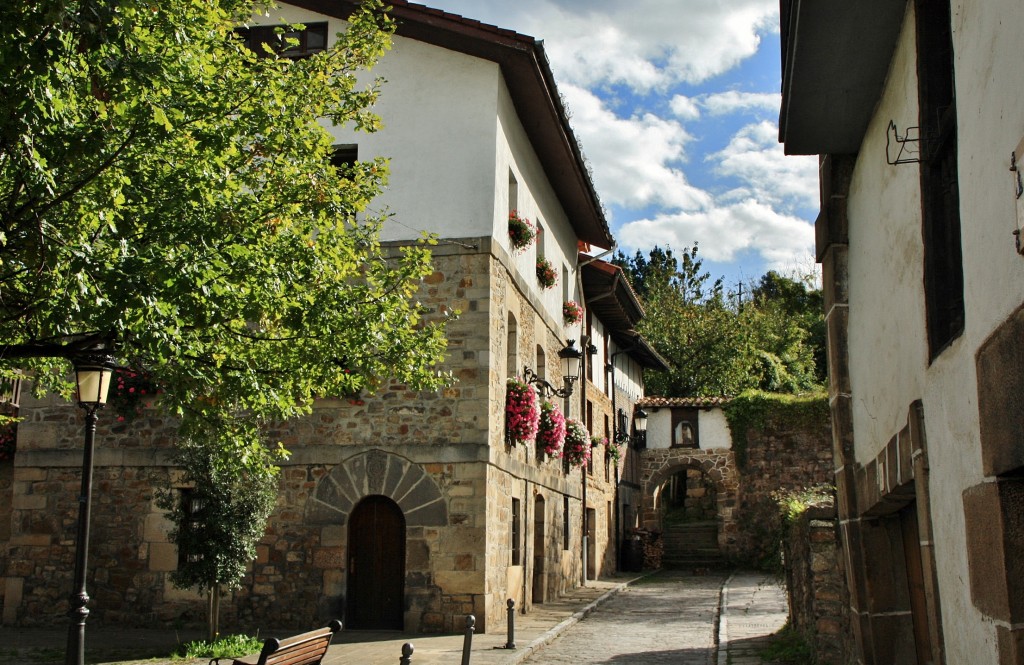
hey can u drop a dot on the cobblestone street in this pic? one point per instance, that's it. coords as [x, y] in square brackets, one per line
[668, 618]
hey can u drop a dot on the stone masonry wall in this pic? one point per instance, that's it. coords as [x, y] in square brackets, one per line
[779, 457]
[457, 543]
[818, 597]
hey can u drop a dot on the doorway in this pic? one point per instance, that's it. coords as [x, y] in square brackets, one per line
[376, 565]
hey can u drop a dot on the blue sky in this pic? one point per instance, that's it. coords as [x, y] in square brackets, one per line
[676, 105]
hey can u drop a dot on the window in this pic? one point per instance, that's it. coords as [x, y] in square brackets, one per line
[684, 428]
[517, 553]
[511, 347]
[940, 189]
[565, 523]
[312, 40]
[345, 155]
[590, 428]
[607, 438]
[513, 192]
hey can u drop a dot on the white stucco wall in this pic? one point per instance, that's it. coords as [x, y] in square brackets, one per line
[712, 428]
[452, 136]
[889, 366]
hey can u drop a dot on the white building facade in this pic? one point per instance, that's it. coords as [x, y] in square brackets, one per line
[917, 111]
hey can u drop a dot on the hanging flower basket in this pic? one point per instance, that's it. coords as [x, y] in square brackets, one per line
[521, 412]
[551, 433]
[128, 389]
[576, 449]
[546, 275]
[572, 313]
[521, 232]
[8, 440]
[612, 450]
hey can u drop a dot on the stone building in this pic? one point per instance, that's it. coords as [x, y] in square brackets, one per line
[915, 108]
[401, 509]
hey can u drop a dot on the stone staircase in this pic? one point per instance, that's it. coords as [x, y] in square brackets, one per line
[692, 545]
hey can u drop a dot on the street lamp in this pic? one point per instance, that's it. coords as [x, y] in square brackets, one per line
[92, 377]
[640, 425]
[571, 357]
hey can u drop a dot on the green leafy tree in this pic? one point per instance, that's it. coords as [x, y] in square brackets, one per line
[234, 486]
[164, 186]
[798, 302]
[717, 345]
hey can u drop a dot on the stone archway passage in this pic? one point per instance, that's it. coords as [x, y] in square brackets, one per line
[718, 466]
[377, 472]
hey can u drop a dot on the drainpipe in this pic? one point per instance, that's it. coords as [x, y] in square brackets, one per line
[584, 343]
[610, 372]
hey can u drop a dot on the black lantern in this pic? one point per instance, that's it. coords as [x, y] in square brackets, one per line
[571, 357]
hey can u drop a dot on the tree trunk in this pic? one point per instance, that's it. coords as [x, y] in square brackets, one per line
[213, 613]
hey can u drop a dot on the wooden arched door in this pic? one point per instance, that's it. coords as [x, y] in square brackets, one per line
[376, 565]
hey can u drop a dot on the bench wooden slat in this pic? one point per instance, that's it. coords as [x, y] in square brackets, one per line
[304, 649]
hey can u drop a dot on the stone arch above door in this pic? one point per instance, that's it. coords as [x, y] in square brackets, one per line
[377, 472]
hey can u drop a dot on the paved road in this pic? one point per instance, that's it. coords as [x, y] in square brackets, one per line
[667, 618]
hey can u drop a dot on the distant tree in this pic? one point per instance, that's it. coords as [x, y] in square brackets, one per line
[717, 346]
[797, 300]
[233, 479]
[660, 270]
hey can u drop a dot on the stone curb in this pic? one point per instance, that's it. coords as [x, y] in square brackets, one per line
[722, 621]
[538, 643]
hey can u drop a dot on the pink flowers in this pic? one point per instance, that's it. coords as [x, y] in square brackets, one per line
[572, 313]
[551, 433]
[127, 391]
[546, 275]
[521, 413]
[520, 231]
[8, 440]
[612, 450]
[577, 443]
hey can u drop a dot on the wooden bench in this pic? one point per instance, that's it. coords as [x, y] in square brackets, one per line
[305, 649]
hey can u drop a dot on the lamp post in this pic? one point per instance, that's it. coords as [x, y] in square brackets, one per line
[92, 375]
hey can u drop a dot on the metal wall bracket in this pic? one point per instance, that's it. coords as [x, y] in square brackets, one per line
[906, 148]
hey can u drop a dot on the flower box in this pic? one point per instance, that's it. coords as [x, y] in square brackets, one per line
[572, 313]
[576, 449]
[521, 412]
[521, 233]
[546, 275]
[551, 432]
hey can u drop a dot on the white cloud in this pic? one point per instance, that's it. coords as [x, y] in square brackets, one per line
[782, 241]
[643, 44]
[756, 158]
[685, 108]
[633, 158]
[731, 101]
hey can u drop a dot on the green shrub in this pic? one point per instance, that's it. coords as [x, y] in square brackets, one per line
[230, 646]
[787, 647]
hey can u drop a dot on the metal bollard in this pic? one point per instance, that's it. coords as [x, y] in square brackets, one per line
[467, 642]
[407, 650]
[511, 642]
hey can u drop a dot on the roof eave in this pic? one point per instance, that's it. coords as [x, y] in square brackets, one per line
[835, 58]
[531, 84]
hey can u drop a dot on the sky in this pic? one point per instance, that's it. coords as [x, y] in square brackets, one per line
[676, 105]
